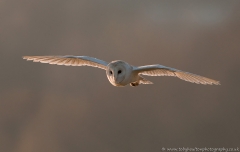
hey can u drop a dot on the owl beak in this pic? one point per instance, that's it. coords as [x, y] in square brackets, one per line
[115, 77]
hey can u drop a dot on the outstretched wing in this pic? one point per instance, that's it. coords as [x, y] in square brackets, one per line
[160, 70]
[69, 60]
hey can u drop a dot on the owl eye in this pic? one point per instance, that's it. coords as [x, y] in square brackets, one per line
[110, 72]
[119, 71]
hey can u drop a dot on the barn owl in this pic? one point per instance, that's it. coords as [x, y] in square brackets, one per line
[120, 73]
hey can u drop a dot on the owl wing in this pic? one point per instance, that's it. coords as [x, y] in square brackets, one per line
[160, 70]
[69, 60]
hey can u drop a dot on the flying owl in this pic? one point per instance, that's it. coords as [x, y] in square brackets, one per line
[120, 73]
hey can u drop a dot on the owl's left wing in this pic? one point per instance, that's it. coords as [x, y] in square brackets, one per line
[160, 70]
[69, 60]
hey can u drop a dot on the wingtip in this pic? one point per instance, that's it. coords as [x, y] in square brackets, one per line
[216, 83]
[24, 57]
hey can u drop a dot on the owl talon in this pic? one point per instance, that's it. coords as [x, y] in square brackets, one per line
[134, 84]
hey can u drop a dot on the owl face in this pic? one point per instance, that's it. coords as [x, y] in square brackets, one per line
[117, 72]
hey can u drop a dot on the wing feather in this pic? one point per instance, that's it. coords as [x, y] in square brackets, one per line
[160, 70]
[69, 60]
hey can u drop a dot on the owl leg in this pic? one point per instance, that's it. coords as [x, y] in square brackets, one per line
[134, 84]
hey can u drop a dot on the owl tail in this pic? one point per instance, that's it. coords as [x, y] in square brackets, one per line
[145, 81]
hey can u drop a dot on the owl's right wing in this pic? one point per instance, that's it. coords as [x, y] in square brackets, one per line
[69, 60]
[160, 70]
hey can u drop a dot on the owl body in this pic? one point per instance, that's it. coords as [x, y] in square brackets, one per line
[120, 73]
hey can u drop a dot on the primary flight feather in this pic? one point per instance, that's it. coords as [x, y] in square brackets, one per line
[121, 73]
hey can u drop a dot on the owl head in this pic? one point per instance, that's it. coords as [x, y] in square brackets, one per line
[117, 72]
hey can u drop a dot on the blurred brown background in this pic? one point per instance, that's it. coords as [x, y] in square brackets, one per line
[67, 109]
